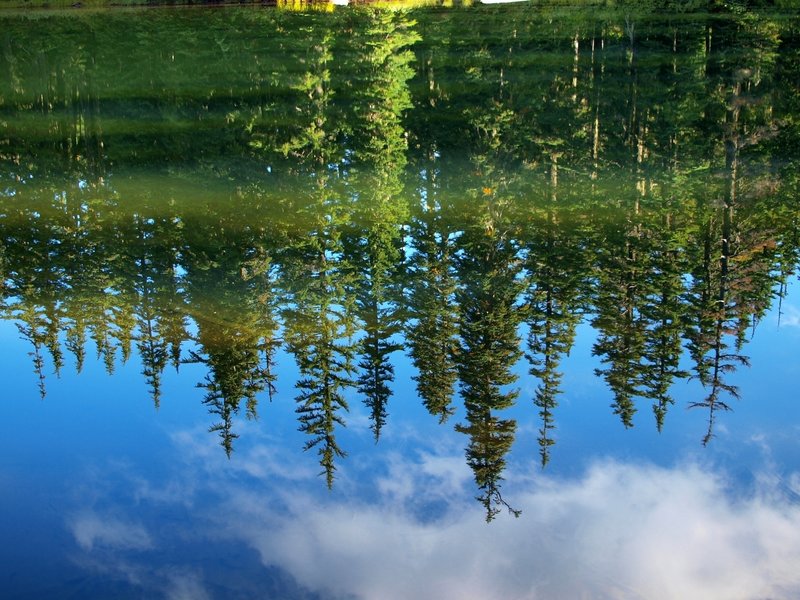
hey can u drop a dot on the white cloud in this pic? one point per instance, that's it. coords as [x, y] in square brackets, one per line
[790, 316]
[185, 586]
[175, 491]
[442, 476]
[621, 531]
[793, 484]
[268, 461]
[92, 530]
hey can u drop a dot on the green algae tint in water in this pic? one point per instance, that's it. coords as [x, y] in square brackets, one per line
[324, 218]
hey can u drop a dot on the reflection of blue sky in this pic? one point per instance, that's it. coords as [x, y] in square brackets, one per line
[105, 497]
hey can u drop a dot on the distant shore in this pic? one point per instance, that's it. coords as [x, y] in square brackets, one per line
[679, 6]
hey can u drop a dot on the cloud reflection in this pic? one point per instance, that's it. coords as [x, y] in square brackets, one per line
[789, 316]
[91, 530]
[186, 586]
[620, 530]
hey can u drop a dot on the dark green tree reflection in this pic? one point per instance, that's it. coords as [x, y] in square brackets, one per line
[343, 187]
[380, 54]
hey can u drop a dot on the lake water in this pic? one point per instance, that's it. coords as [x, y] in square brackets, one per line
[490, 302]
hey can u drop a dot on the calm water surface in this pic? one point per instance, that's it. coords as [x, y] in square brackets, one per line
[470, 303]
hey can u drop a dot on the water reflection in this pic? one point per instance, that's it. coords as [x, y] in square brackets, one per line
[372, 189]
[660, 522]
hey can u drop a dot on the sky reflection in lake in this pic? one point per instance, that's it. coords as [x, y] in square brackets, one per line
[163, 511]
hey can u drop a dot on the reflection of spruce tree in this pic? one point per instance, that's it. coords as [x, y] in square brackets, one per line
[621, 332]
[431, 332]
[557, 266]
[786, 102]
[3, 277]
[318, 326]
[718, 296]
[379, 316]
[661, 312]
[711, 323]
[232, 352]
[318, 319]
[95, 269]
[34, 277]
[624, 260]
[707, 297]
[168, 299]
[381, 58]
[487, 269]
[728, 290]
[157, 299]
[75, 338]
[31, 327]
[229, 287]
[432, 318]
[324, 357]
[152, 348]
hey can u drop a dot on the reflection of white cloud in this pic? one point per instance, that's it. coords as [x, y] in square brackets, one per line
[794, 486]
[91, 530]
[447, 475]
[169, 492]
[269, 461]
[265, 459]
[618, 531]
[621, 531]
[358, 420]
[185, 586]
[197, 445]
[790, 316]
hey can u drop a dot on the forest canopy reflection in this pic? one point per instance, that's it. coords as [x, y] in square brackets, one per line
[352, 185]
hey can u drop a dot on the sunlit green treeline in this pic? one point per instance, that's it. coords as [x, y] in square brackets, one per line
[305, 5]
[465, 190]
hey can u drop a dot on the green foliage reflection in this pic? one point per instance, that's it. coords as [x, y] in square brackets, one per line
[333, 189]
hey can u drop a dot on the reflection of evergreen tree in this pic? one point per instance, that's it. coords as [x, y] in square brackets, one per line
[645, 171]
[229, 288]
[231, 351]
[380, 56]
[75, 339]
[662, 314]
[725, 292]
[786, 180]
[325, 362]
[378, 313]
[621, 331]
[318, 327]
[31, 327]
[318, 320]
[557, 269]
[34, 278]
[708, 329]
[431, 335]
[95, 266]
[487, 268]
[160, 323]
[488, 271]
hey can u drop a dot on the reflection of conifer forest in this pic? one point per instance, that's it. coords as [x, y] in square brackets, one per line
[213, 187]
